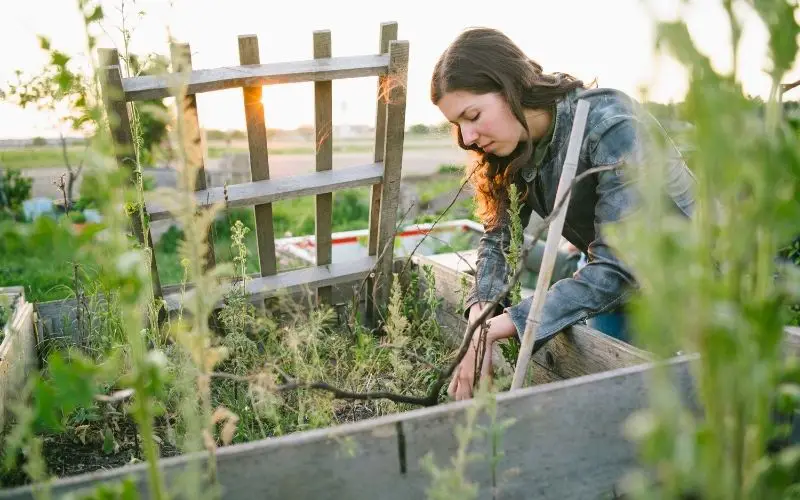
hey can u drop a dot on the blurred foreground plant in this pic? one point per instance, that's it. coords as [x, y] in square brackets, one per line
[713, 285]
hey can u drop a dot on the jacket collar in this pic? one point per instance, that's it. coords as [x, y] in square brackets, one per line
[563, 121]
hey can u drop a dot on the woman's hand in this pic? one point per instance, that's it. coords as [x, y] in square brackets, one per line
[464, 375]
[463, 379]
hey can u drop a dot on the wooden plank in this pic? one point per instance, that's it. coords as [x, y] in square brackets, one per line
[581, 350]
[282, 188]
[397, 78]
[323, 119]
[565, 441]
[791, 339]
[388, 34]
[122, 138]
[17, 351]
[259, 160]
[256, 75]
[551, 245]
[181, 55]
[117, 112]
[298, 280]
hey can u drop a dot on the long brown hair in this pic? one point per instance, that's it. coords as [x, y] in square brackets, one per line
[484, 60]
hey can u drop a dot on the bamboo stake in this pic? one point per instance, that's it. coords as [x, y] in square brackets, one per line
[551, 245]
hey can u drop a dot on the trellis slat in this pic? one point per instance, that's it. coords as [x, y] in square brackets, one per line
[255, 75]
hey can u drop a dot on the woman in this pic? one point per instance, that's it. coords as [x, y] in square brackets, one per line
[517, 121]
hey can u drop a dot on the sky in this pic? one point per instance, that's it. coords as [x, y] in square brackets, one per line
[611, 41]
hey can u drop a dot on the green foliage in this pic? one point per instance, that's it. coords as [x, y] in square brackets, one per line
[123, 490]
[5, 314]
[296, 217]
[514, 253]
[14, 190]
[419, 129]
[40, 156]
[39, 256]
[510, 347]
[450, 168]
[152, 117]
[709, 284]
[476, 444]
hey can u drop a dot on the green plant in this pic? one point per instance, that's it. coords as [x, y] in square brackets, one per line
[450, 168]
[453, 481]
[77, 217]
[510, 348]
[14, 190]
[708, 284]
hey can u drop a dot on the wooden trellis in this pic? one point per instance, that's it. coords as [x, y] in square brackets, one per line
[390, 65]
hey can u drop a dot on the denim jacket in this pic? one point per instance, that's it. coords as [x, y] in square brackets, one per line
[618, 133]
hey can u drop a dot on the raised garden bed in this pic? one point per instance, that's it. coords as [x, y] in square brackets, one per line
[18, 347]
[386, 451]
[565, 439]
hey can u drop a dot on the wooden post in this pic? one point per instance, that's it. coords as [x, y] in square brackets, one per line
[259, 160]
[551, 246]
[388, 34]
[122, 137]
[323, 111]
[395, 92]
[181, 56]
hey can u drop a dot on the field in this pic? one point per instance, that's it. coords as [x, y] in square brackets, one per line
[268, 383]
[33, 157]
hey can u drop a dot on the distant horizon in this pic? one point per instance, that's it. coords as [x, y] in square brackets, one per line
[585, 38]
[408, 125]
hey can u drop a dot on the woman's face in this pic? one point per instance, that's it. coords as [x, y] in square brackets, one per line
[485, 120]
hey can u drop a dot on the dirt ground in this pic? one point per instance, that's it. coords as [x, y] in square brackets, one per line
[67, 455]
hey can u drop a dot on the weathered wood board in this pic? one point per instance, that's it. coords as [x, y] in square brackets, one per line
[17, 350]
[142, 88]
[261, 192]
[566, 441]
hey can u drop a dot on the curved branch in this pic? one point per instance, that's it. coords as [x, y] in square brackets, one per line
[432, 397]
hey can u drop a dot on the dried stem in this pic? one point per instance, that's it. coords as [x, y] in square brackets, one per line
[431, 398]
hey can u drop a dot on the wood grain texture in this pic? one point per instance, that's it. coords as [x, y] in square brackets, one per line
[545, 273]
[298, 280]
[117, 111]
[259, 159]
[181, 57]
[565, 441]
[397, 78]
[283, 188]
[323, 124]
[256, 75]
[388, 33]
[122, 137]
[791, 340]
[18, 356]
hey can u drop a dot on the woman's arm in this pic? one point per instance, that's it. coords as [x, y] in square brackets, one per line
[463, 380]
[491, 268]
[605, 282]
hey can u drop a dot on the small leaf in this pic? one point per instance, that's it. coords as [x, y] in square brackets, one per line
[110, 444]
[44, 42]
[59, 58]
[96, 15]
